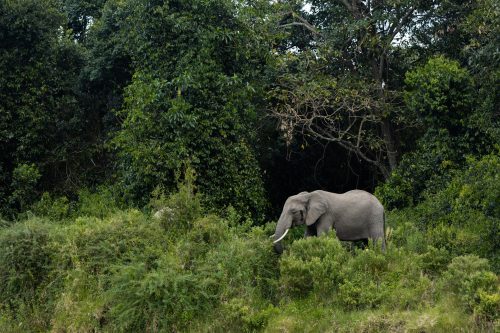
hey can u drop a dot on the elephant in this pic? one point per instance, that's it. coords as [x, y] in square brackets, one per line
[354, 215]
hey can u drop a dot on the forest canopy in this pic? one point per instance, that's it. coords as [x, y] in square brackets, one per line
[215, 111]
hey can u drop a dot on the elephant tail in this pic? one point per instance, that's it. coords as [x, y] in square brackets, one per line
[387, 234]
[384, 221]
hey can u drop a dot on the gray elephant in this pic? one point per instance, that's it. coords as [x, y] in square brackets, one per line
[355, 215]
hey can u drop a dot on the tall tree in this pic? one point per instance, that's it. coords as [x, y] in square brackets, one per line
[344, 86]
[41, 121]
[192, 98]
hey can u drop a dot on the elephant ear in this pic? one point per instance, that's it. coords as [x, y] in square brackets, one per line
[316, 208]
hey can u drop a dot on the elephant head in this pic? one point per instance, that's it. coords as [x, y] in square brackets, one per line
[303, 208]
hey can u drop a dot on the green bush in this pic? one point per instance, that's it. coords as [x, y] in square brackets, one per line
[248, 317]
[354, 295]
[362, 280]
[177, 211]
[205, 234]
[426, 169]
[96, 245]
[312, 264]
[440, 92]
[55, 209]
[80, 304]
[475, 285]
[242, 265]
[100, 203]
[24, 181]
[435, 260]
[89, 256]
[405, 286]
[462, 218]
[166, 298]
[129, 271]
[406, 233]
[204, 276]
[487, 306]
[26, 257]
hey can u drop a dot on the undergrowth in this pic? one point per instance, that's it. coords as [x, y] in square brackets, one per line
[178, 268]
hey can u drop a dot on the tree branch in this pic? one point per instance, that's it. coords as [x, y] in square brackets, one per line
[302, 24]
[397, 26]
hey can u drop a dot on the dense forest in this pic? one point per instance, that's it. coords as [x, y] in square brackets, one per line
[147, 149]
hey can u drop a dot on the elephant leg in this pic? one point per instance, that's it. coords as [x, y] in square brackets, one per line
[377, 234]
[364, 243]
[310, 231]
[324, 225]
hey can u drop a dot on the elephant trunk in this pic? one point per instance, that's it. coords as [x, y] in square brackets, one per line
[284, 223]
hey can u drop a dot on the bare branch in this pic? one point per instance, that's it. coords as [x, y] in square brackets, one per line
[301, 24]
[329, 114]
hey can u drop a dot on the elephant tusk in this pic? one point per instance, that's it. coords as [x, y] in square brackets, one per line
[271, 236]
[283, 236]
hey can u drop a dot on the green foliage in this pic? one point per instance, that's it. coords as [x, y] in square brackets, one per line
[477, 287]
[312, 265]
[197, 106]
[24, 180]
[440, 93]
[25, 261]
[462, 218]
[135, 93]
[41, 120]
[55, 209]
[90, 256]
[100, 203]
[163, 299]
[487, 307]
[127, 271]
[97, 244]
[435, 260]
[177, 211]
[426, 169]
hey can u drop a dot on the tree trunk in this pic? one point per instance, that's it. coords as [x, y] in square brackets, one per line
[390, 144]
[378, 67]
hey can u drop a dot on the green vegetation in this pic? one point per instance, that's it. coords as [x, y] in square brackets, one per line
[186, 270]
[147, 146]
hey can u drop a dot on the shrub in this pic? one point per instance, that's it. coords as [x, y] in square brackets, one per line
[25, 260]
[177, 211]
[96, 245]
[427, 169]
[99, 204]
[243, 265]
[487, 306]
[55, 209]
[435, 260]
[440, 92]
[204, 276]
[205, 234]
[244, 315]
[470, 279]
[354, 295]
[312, 264]
[165, 298]
[80, 305]
[406, 233]
[360, 287]
[404, 286]
[89, 258]
[24, 181]
[462, 218]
